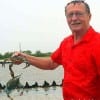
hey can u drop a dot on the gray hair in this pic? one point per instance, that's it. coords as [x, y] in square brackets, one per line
[79, 1]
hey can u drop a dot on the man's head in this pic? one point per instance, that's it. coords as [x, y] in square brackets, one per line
[78, 15]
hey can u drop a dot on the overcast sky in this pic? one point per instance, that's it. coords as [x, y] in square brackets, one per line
[37, 24]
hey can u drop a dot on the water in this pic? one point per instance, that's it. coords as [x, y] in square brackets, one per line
[32, 75]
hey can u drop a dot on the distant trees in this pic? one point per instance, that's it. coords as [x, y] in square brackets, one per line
[28, 52]
[38, 53]
[6, 55]
[1, 56]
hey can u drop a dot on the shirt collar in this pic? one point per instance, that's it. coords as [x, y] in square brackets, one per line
[88, 35]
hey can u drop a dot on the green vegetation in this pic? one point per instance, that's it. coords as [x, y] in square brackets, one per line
[37, 54]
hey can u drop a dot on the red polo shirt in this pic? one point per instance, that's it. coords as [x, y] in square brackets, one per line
[81, 63]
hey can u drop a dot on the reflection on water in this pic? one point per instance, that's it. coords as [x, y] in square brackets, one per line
[32, 75]
[51, 93]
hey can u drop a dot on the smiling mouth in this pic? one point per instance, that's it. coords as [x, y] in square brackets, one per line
[75, 23]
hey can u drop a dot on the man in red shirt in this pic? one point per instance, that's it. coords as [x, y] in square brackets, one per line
[79, 54]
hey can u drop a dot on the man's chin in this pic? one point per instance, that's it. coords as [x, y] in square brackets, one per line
[76, 29]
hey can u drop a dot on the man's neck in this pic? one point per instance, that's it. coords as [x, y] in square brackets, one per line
[78, 36]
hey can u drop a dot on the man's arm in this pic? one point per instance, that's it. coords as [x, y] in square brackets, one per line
[40, 62]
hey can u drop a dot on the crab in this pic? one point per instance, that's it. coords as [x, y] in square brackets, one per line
[14, 82]
[15, 60]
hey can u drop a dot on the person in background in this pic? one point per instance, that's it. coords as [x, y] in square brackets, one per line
[79, 55]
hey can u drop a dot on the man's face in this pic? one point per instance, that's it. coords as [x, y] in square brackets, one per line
[77, 17]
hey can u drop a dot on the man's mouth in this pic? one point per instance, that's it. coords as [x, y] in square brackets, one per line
[78, 23]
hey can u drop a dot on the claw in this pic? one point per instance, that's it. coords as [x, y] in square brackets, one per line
[3, 64]
[27, 65]
[11, 71]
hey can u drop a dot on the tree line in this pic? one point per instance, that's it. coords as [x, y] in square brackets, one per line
[37, 54]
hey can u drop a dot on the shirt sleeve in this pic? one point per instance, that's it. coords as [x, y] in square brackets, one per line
[56, 56]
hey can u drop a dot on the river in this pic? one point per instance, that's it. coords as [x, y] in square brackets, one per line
[32, 75]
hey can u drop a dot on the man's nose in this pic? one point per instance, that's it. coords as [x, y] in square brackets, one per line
[74, 17]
